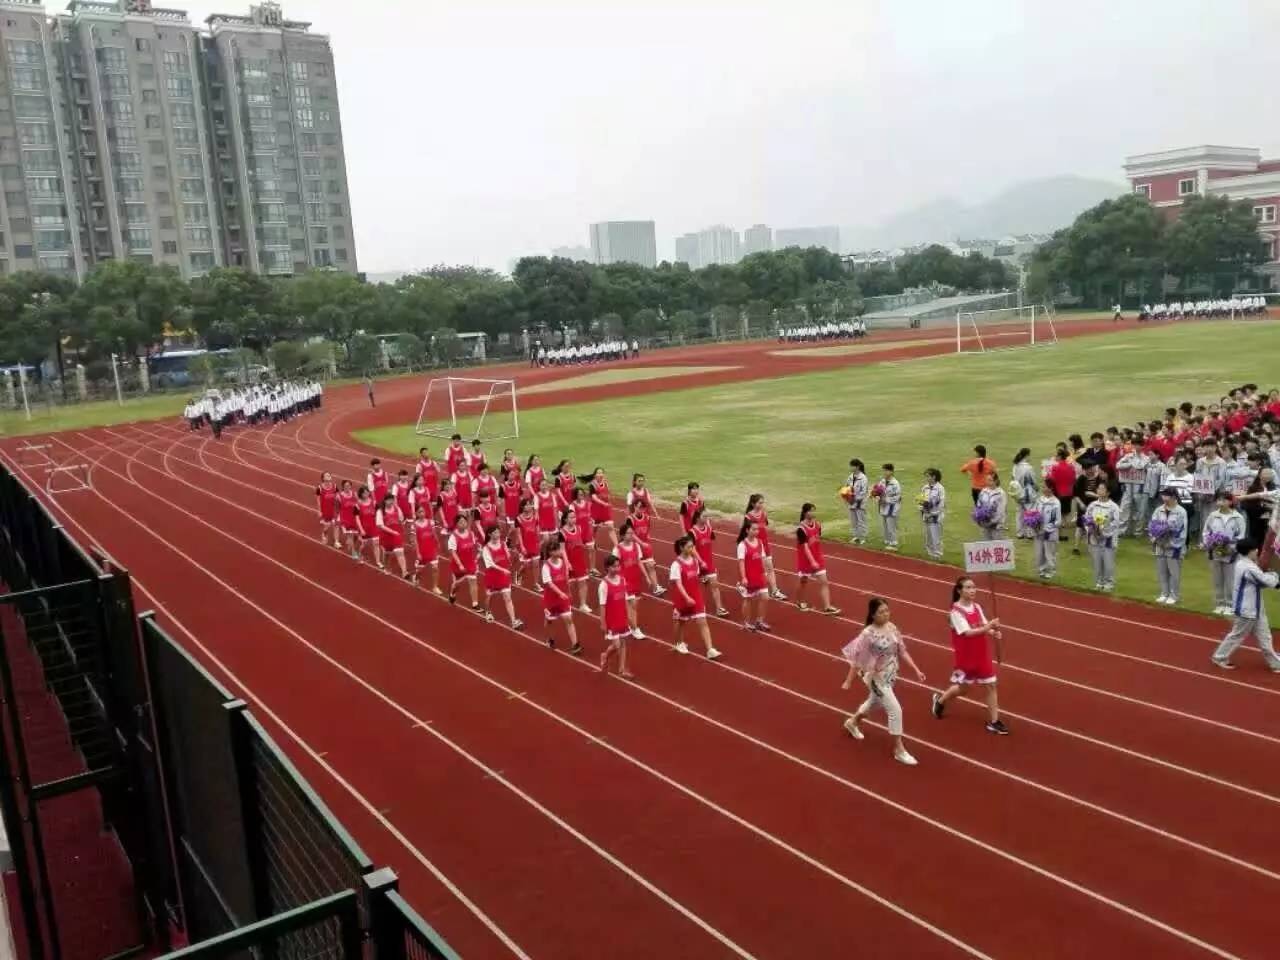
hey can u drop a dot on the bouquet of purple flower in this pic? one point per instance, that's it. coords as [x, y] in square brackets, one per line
[984, 515]
[1159, 529]
[1032, 518]
[1217, 544]
[1091, 522]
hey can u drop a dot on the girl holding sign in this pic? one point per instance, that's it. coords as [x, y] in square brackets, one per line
[1131, 470]
[970, 629]
[875, 655]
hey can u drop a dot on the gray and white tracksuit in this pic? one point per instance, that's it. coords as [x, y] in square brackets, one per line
[1102, 541]
[890, 508]
[1222, 560]
[1134, 500]
[858, 506]
[999, 501]
[1250, 613]
[1023, 487]
[932, 512]
[1170, 548]
[1216, 471]
[1046, 541]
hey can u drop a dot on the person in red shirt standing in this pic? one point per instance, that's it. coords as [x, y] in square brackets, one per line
[486, 515]
[390, 523]
[455, 455]
[327, 503]
[630, 559]
[970, 629]
[575, 552]
[367, 517]
[615, 617]
[556, 603]
[428, 547]
[703, 539]
[464, 550]
[510, 463]
[475, 458]
[692, 504]
[564, 483]
[757, 514]
[346, 500]
[418, 494]
[601, 506]
[447, 507]
[510, 490]
[534, 474]
[641, 525]
[528, 540]
[686, 597]
[429, 471]
[753, 581]
[544, 505]
[462, 488]
[402, 488]
[581, 507]
[1062, 477]
[484, 482]
[810, 563]
[378, 481]
[497, 577]
[639, 493]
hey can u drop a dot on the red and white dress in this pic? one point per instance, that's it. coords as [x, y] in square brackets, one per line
[367, 517]
[463, 551]
[752, 557]
[402, 491]
[703, 538]
[556, 606]
[601, 508]
[454, 457]
[482, 484]
[687, 509]
[508, 466]
[474, 462]
[424, 539]
[613, 601]
[533, 477]
[639, 495]
[582, 519]
[575, 548]
[449, 509]
[420, 497]
[497, 568]
[809, 534]
[486, 516]
[761, 519]
[687, 571]
[391, 530]
[462, 489]
[528, 537]
[629, 566]
[973, 662]
[347, 511]
[327, 500]
[429, 470]
[379, 483]
[511, 491]
[641, 523]
[544, 505]
[566, 483]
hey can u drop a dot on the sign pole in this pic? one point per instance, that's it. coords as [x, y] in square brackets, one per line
[990, 557]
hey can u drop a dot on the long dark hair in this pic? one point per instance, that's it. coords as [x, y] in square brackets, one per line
[548, 548]
[696, 518]
[981, 451]
[528, 464]
[559, 468]
[873, 607]
[959, 585]
[1022, 455]
[680, 543]
[752, 500]
[589, 478]
[804, 509]
[746, 525]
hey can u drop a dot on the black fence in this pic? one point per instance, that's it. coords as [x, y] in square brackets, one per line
[147, 807]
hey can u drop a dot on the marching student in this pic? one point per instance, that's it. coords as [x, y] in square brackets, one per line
[455, 455]
[447, 507]
[486, 516]
[497, 577]
[615, 617]
[704, 536]
[857, 501]
[691, 504]
[427, 546]
[991, 507]
[757, 514]
[1223, 529]
[689, 606]
[970, 629]
[484, 482]
[890, 505]
[475, 457]
[810, 563]
[418, 494]
[327, 503]
[378, 481]
[544, 503]
[463, 487]
[641, 525]
[528, 541]
[510, 462]
[534, 474]
[933, 510]
[564, 483]
[639, 493]
[581, 507]
[875, 655]
[630, 568]
[390, 523]
[1102, 528]
[753, 582]
[367, 516]
[556, 603]
[402, 490]
[1048, 510]
[511, 490]
[1167, 530]
[429, 471]
[1248, 610]
[575, 552]
[601, 506]
[463, 548]
[346, 500]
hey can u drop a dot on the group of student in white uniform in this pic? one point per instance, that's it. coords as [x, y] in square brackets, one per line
[600, 352]
[276, 402]
[832, 330]
[1202, 309]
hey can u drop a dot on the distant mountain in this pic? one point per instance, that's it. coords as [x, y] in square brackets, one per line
[1035, 206]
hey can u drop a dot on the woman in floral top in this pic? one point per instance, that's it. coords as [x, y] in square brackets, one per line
[875, 655]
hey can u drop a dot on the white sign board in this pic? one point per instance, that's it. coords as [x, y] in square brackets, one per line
[988, 556]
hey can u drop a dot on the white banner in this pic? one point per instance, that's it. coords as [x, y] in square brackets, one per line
[988, 556]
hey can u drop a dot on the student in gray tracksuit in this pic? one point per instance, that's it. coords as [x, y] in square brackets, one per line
[1134, 500]
[1214, 468]
[1102, 534]
[1230, 522]
[933, 508]
[1156, 470]
[890, 507]
[1248, 610]
[1169, 547]
[1046, 539]
[858, 501]
[995, 497]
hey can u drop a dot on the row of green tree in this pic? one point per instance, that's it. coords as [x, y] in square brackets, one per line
[1124, 250]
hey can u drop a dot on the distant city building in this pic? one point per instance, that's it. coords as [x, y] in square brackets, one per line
[718, 245]
[757, 239]
[1168, 178]
[624, 241]
[826, 237]
[687, 250]
[572, 253]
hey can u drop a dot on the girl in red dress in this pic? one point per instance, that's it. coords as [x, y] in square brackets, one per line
[564, 482]
[486, 515]
[581, 507]
[346, 500]
[615, 617]
[630, 558]
[639, 493]
[641, 524]
[429, 471]
[969, 631]
[528, 540]
[419, 495]
[475, 458]
[447, 507]
[464, 558]
[544, 504]
[601, 506]
[556, 604]
[510, 462]
[756, 513]
[327, 503]
[703, 538]
[401, 488]
[511, 490]
[533, 474]
[575, 551]
[753, 580]
[497, 577]
[378, 481]
[461, 480]
[686, 597]
[810, 564]
[390, 523]
[485, 482]
[690, 505]
[367, 518]
[428, 547]
[455, 455]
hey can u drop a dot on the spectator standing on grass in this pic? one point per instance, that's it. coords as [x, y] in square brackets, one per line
[995, 502]
[1223, 529]
[875, 655]
[1102, 527]
[1023, 488]
[1132, 466]
[890, 507]
[1062, 478]
[1167, 530]
[1083, 496]
[978, 468]
[1248, 611]
[858, 488]
[933, 509]
[1258, 502]
[1046, 536]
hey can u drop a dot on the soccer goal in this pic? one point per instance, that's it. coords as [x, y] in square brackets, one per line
[1030, 325]
[476, 409]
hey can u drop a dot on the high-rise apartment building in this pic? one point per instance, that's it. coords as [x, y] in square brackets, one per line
[129, 134]
[825, 237]
[572, 253]
[624, 241]
[687, 250]
[757, 239]
[718, 244]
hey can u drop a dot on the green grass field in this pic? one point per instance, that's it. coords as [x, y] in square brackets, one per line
[97, 413]
[791, 438]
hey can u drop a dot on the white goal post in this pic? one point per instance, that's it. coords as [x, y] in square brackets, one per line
[477, 409]
[1029, 325]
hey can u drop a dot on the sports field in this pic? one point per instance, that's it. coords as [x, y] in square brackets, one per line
[791, 438]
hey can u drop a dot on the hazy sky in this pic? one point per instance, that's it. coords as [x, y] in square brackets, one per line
[480, 130]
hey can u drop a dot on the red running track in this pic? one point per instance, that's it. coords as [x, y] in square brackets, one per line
[535, 808]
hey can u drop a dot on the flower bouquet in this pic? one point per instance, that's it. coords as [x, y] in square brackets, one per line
[878, 490]
[1033, 519]
[1217, 544]
[846, 493]
[1159, 530]
[1094, 520]
[984, 515]
[922, 500]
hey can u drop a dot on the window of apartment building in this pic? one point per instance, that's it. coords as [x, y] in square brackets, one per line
[298, 70]
[275, 236]
[309, 143]
[160, 172]
[1265, 213]
[152, 122]
[334, 188]
[176, 60]
[198, 236]
[314, 189]
[270, 212]
[44, 186]
[264, 166]
[35, 133]
[339, 232]
[315, 211]
[331, 163]
[23, 251]
[1142, 190]
[192, 189]
[112, 58]
[178, 87]
[136, 213]
[1186, 187]
[166, 223]
[138, 238]
[124, 136]
[23, 51]
[340, 254]
[55, 262]
[195, 213]
[162, 198]
[182, 114]
[115, 85]
[29, 106]
[319, 234]
[302, 95]
[306, 119]
[119, 110]
[311, 166]
[292, 199]
[52, 239]
[258, 116]
[169, 246]
[324, 94]
[15, 198]
[142, 45]
[329, 139]
[27, 79]
[298, 245]
[336, 210]
[202, 261]
[40, 161]
[322, 69]
[128, 162]
[186, 136]
[295, 220]
[324, 117]
[48, 214]
[322, 257]
[252, 69]
[156, 147]
[190, 164]
[150, 97]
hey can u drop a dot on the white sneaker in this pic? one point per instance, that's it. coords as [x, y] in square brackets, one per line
[713, 654]
[851, 725]
[1171, 601]
[1162, 599]
[585, 609]
[681, 647]
[637, 634]
[903, 757]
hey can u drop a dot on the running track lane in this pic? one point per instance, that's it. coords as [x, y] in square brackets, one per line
[318, 547]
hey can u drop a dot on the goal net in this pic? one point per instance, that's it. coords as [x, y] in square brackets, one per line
[476, 409]
[1030, 325]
